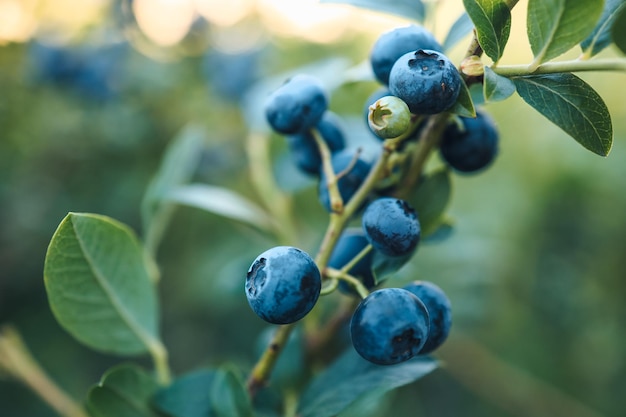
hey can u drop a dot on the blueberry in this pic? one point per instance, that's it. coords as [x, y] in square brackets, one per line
[472, 147]
[389, 326]
[391, 226]
[426, 80]
[353, 171]
[304, 149]
[283, 285]
[296, 105]
[439, 311]
[393, 44]
[351, 242]
[373, 98]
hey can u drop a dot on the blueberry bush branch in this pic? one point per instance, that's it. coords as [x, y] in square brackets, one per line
[18, 362]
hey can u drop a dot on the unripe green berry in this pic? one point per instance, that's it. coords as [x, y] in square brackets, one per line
[389, 117]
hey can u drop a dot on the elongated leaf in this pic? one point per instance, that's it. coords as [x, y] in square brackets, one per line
[98, 285]
[229, 396]
[464, 105]
[497, 87]
[460, 28]
[221, 201]
[188, 396]
[408, 9]
[570, 103]
[383, 266]
[618, 31]
[178, 165]
[600, 38]
[431, 198]
[492, 19]
[352, 377]
[124, 390]
[556, 26]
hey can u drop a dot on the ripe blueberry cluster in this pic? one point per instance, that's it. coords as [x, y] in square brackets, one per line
[389, 325]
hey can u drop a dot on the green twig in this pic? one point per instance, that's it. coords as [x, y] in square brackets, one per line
[349, 279]
[263, 368]
[336, 202]
[17, 361]
[576, 65]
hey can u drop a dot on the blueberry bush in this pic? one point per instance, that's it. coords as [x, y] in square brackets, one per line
[327, 216]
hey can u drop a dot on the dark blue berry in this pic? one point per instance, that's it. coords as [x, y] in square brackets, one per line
[353, 171]
[283, 285]
[471, 147]
[439, 311]
[303, 147]
[426, 80]
[296, 105]
[393, 44]
[389, 326]
[351, 242]
[391, 226]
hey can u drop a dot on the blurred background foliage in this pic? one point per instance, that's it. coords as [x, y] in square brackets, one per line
[91, 92]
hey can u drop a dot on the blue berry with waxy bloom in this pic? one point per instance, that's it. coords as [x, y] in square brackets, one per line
[283, 284]
[426, 80]
[439, 311]
[389, 326]
[471, 144]
[352, 170]
[393, 44]
[391, 226]
[303, 147]
[296, 105]
[351, 242]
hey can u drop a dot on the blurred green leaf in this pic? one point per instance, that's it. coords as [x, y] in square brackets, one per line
[373, 404]
[556, 26]
[570, 103]
[125, 390]
[430, 199]
[99, 286]
[408, 9]
[187, 396]
[383, 266]
[600, 38]
[221, 201]
[460, 28]
[351, 377]
[229, 396]
[464, 105]
[178, 165]
[618, 31]
[497, 87]
[492, 19]
[439, 231]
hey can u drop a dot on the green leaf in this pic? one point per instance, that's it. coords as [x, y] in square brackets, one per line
[220, 201]
[408, 9]
[497, 87]
[187, 396]
[460, 29]
[464, 105]
[229, 396]
[430, 199]
[570, 103]
[352, 377]
[125, 390]
[600, 38]
[178, 165]
[383, 266]
[440, 231]
[492, 19]
[556, 26]
[618, 31]
[99, 287]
